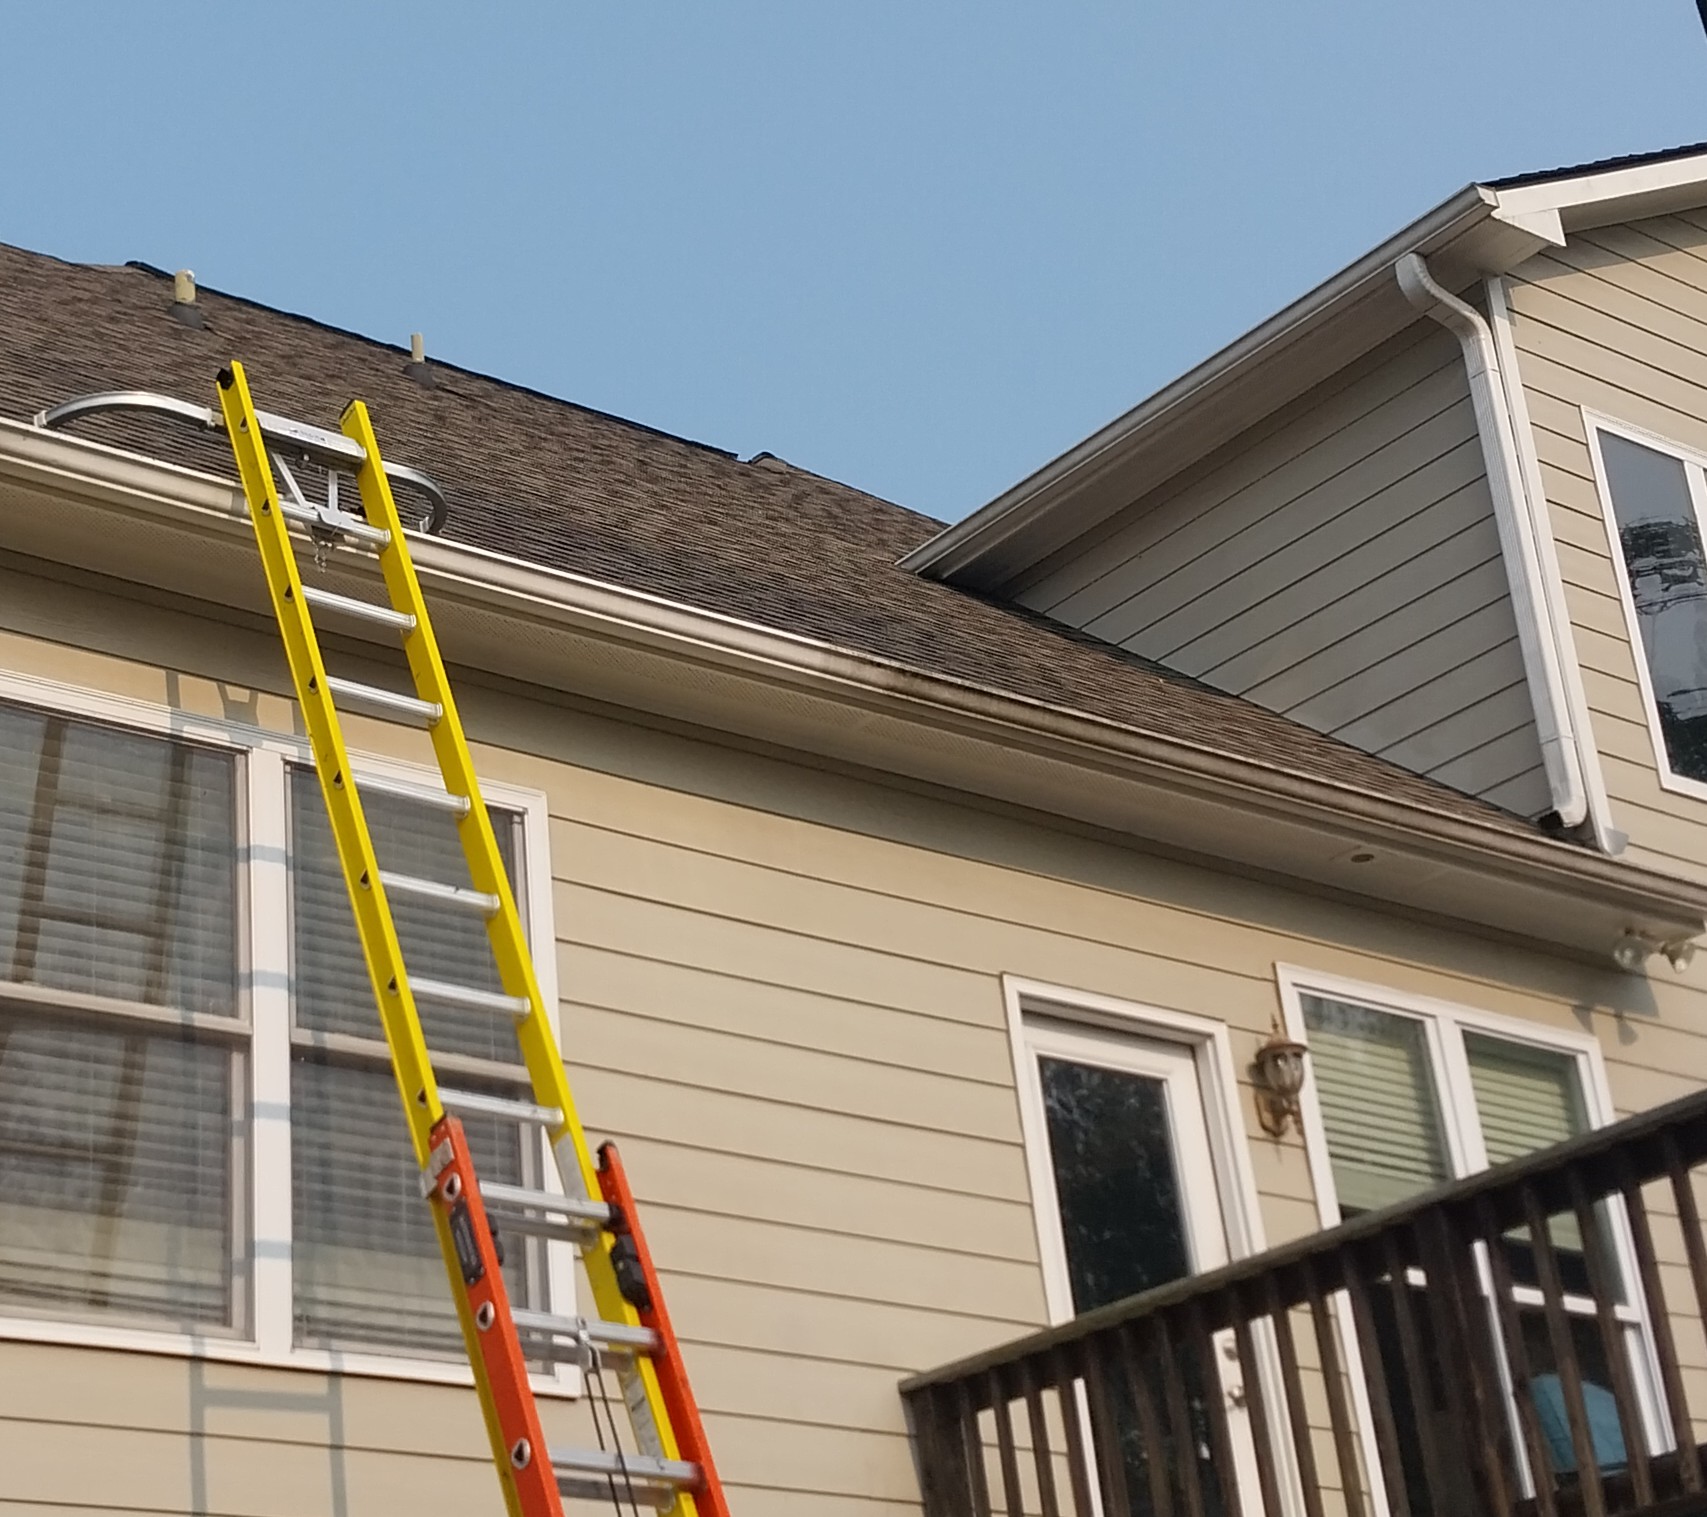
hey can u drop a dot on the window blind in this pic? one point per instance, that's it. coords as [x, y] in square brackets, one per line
[117, 873]
[1527, 1098]
[366, 1259]
[440, 942]
[1385, 1140]
[117, 864]
[366, 1263]
[117, 1157]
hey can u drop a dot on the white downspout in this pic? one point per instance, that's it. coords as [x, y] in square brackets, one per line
[1559, 753]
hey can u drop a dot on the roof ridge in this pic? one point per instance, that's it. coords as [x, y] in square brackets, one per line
[438, 363]
[1597, 166]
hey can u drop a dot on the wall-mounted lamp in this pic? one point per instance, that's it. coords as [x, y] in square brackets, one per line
[1633, 950]
[1279, 1081]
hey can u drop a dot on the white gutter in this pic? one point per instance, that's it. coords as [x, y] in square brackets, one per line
[1514, 515]
[169, 494]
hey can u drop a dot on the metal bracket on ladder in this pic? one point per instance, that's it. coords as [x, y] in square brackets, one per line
[670, 1466]
[333, 451]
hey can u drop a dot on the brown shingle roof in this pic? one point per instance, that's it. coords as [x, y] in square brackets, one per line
[571, 488]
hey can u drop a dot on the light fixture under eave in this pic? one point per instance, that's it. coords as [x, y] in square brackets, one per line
[1279, 1084]
[1633, 949]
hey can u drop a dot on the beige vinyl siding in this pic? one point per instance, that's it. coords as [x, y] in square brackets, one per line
[1616, 321]
[1338, 564]
[782, 992]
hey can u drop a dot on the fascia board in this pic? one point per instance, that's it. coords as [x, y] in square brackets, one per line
[1623, 194]
[968, 725]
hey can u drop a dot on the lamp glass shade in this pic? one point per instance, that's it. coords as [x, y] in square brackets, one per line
[1282, 1065]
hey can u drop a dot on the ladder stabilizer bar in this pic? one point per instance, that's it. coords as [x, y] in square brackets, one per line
[330, 449]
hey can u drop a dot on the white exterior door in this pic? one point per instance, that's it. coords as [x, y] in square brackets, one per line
[1124, 1178]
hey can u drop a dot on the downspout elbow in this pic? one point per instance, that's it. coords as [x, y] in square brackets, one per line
[1513, 515]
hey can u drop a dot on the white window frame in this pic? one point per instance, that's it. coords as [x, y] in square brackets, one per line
[1695, 474]
[1444, 1023]
[261, 1261]
[1211, 1046]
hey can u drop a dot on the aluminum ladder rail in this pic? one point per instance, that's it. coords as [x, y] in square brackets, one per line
[672, 1469]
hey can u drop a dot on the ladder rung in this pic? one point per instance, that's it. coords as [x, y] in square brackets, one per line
[590, 1473]
[476, 1103]
[341, 522]
[618, 1336]
[542, 1212]
[408, 790]
[100, 917]
[361, 610]
[447, 994]
[385, 702]
[481, 901]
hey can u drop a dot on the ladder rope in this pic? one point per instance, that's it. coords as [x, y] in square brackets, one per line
[595, 1373]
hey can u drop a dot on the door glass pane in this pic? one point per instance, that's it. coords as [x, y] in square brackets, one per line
[1111, 1147]
[1663, 565]
[1385, 1137]
[1113, 1157]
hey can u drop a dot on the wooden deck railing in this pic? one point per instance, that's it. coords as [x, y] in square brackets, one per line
[1502, 1346]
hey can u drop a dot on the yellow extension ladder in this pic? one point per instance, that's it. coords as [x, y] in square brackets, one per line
[670, 1468]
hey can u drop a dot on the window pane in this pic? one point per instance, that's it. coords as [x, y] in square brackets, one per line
[439, 942]
[1529, 1098]
[1664, 567]
[1546, 1390]
[367, 1262]
[116, 1148]
[1112, 1150]
[117, 864]
[1385, 1139]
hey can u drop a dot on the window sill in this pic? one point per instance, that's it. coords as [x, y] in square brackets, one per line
[564, 1385]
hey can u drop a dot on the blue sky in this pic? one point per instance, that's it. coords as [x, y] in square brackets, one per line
[918, 245]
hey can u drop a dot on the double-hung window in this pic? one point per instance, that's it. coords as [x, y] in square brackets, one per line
[1655, 502]
[1410, 1094]
[198, 1121]
[123, 1043]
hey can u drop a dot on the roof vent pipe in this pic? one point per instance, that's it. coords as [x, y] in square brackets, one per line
[1517, 528]
[184, 307]
[417, 366]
